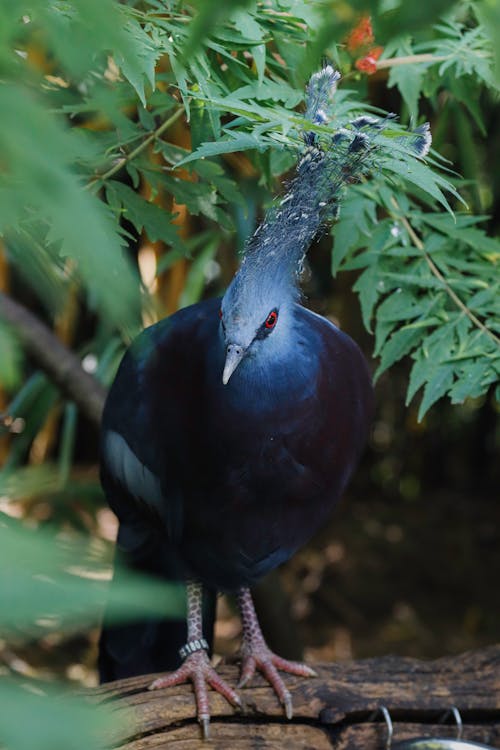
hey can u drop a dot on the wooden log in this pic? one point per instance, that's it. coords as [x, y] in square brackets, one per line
[334, 710]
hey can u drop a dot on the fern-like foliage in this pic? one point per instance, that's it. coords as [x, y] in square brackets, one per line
[121, 119]
[69, 194]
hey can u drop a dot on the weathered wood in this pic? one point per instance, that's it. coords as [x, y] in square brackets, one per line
[331, 711]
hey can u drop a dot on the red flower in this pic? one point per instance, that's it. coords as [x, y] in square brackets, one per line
[361, 35]
[368, 63]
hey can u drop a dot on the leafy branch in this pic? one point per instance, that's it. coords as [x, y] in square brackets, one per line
[136, 151]
[437, 273]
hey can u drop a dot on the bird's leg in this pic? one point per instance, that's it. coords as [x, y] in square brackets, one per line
[257, 655]
[196, 667]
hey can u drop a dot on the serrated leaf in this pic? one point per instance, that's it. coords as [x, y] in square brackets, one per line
[400, 343]
[246, 24]
[489, 13]
[356, 217]
[41, 189]
[182, 81]
[367, 288]
[408, 79]
[199, 197]
[268, 90]
[488, 298]
[438, 384]
[472, 236]
[228, 145]
[427, 180]
[398, 306]
[418, 375]
[206, 18]
[138, 60]
[472, 381]
[143, 214]
[213, 172]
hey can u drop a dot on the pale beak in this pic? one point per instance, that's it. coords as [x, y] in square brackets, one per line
[234, 355]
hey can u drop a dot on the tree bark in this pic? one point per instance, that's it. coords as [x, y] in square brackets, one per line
[334, 710]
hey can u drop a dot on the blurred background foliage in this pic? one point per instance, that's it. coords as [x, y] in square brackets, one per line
[140, 142]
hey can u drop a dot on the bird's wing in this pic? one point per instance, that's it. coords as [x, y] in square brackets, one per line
[148, 414]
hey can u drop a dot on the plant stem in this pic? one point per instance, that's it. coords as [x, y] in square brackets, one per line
[132, 155]
[425, 57]
[437, 273]
[411, 60]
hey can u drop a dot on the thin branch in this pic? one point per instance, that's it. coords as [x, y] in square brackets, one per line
[60, 364]
[437, 273]
[427, 57]
[133, 154]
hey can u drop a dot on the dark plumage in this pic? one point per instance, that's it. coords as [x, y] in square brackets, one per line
[233, 426]
[234, 466]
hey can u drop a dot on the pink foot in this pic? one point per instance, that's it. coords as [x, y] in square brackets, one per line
[257, 655]
[198, 670]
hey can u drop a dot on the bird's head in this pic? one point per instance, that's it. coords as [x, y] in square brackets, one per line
[255, 315]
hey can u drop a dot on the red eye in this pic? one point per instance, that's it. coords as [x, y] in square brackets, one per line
[271, 319]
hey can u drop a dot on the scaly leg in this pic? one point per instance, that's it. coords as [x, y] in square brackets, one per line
[257, 655]
[196, 666]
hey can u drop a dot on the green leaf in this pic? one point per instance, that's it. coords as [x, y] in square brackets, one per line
[143, 214]
[10, 358]
[401, 305]
[474, 378]
[400, 343]
[48, 583]
[40, 189]
[182, 81]
[367, 287]
[418, 374]
[56, 719]
[418, 174]
[207, 17]
[475, 238]
[408, 79]
[196, 279]
[438, 384]
[353, 227]
[489, 13]
[138, 58]
[215, 174]
[228, 145]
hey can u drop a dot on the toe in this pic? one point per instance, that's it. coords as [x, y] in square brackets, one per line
[271, 674]
[201, 695]
[247, 670]
[293, 667]
[205, 726]
[169, 680]
[218, 684]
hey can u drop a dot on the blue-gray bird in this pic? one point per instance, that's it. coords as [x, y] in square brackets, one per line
[233, 426]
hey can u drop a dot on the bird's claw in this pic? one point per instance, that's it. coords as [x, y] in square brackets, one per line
[197, 669]
[205, 726]
[260, 657]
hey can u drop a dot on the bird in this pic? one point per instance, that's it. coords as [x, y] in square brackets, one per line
[234, 425]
